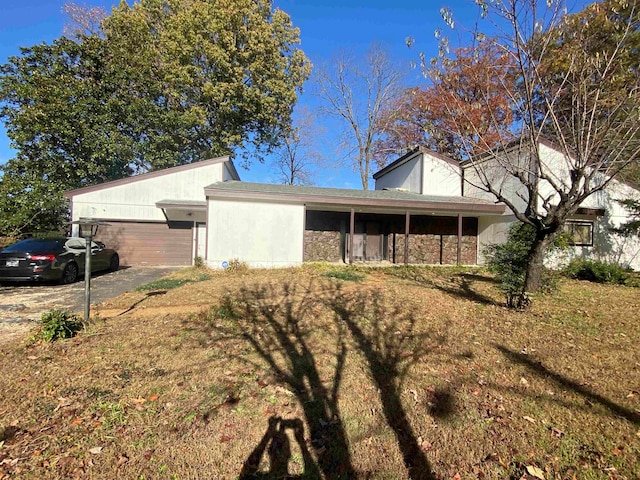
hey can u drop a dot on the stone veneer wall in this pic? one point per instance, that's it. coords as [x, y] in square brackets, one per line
[425, 249]
[322, 246]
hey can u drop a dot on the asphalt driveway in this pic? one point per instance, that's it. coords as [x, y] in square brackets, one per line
[23, 303]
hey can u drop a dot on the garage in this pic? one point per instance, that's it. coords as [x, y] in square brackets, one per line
[149, 243]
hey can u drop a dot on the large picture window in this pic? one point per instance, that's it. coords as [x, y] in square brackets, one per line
[580, 232]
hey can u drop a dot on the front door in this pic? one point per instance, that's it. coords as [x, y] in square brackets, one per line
[367, 242]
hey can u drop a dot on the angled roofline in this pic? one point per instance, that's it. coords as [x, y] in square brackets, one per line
[516, 142]
[396, 163]
[409, 156]
[153, 174]
[212, 191]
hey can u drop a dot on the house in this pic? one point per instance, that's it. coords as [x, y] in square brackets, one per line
[423, 210]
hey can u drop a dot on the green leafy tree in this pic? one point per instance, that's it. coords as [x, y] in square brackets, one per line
[632, 227]
[160, 83]
[59, 113]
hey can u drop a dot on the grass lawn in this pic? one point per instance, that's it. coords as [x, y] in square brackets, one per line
[321, 372]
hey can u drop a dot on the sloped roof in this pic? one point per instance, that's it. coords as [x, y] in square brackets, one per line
[409, 155]
[348, 197]
[153, 174]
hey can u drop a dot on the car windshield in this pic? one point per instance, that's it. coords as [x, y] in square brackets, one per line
[34, 245]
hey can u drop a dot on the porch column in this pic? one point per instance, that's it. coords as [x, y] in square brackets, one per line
[459, 253]
[352, 227]
[407, 223]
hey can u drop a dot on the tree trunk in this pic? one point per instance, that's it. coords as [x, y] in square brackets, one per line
[533, 276]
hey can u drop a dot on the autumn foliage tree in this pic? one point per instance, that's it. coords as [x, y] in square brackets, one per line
[577, 85]
[465, 108]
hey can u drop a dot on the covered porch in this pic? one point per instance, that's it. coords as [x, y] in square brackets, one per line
[408, 237]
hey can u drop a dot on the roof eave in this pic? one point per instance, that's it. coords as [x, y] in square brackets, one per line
[212, 192]
[69, 194]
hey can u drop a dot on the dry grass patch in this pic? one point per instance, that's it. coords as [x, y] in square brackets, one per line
[408, 373]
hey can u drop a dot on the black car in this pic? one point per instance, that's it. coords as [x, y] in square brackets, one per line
[60, 259]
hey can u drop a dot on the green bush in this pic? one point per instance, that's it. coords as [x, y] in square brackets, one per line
[596, 271]
[345, 274]
[198, 261]
[56, 324]
[508, 262]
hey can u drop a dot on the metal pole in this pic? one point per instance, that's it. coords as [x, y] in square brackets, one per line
[352, 223]
[87, 279]
[407, 226]
[459, 251]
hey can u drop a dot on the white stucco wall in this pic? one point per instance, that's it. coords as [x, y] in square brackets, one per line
[607, 246]
[492, 229]
[137, 200]
[499, 177]
[258, 233]
[405, 176]
[440, 177]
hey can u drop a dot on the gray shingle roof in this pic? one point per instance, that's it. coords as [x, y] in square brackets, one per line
[326, 195]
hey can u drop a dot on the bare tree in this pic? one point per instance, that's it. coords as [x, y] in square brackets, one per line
[297, 155]
[578, 86]
[356, 92]
[83, 19]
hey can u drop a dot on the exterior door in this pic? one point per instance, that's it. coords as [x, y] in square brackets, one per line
[367, 242]
[201, 243]
[373, 242]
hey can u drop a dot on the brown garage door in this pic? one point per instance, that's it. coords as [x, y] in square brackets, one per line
[146, 243]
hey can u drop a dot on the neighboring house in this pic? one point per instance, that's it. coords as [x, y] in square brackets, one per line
[421, 212]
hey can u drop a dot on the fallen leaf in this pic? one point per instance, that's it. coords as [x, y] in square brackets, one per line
[62, 402]
[153, 398]
[95, 450]
[415, 395]
[122, 460]
[456, 477]
[148, 454]
[524, 382]
[535, 472]
[616, 452]
[77, 422]
[529, 419]
[225, 439]
[139, 400]
[557, 432]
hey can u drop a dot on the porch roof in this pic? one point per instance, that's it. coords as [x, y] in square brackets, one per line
[182, 204]
[322, 196]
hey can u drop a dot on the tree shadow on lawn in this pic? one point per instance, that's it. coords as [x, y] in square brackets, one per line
[279, 321]
[391, 346]
[459, 285]
[540, 370]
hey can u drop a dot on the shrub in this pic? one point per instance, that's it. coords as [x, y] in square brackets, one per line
[198, 261]
[596, 271]
[345, 274]
[509, 260]
[56, 324]
[236, 266]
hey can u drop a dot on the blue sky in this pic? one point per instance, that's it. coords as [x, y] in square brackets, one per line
[327, 26]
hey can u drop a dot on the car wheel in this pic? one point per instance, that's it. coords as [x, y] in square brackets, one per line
[70, 274]
[114, 264]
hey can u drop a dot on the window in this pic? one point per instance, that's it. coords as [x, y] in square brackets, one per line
[580, 233]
